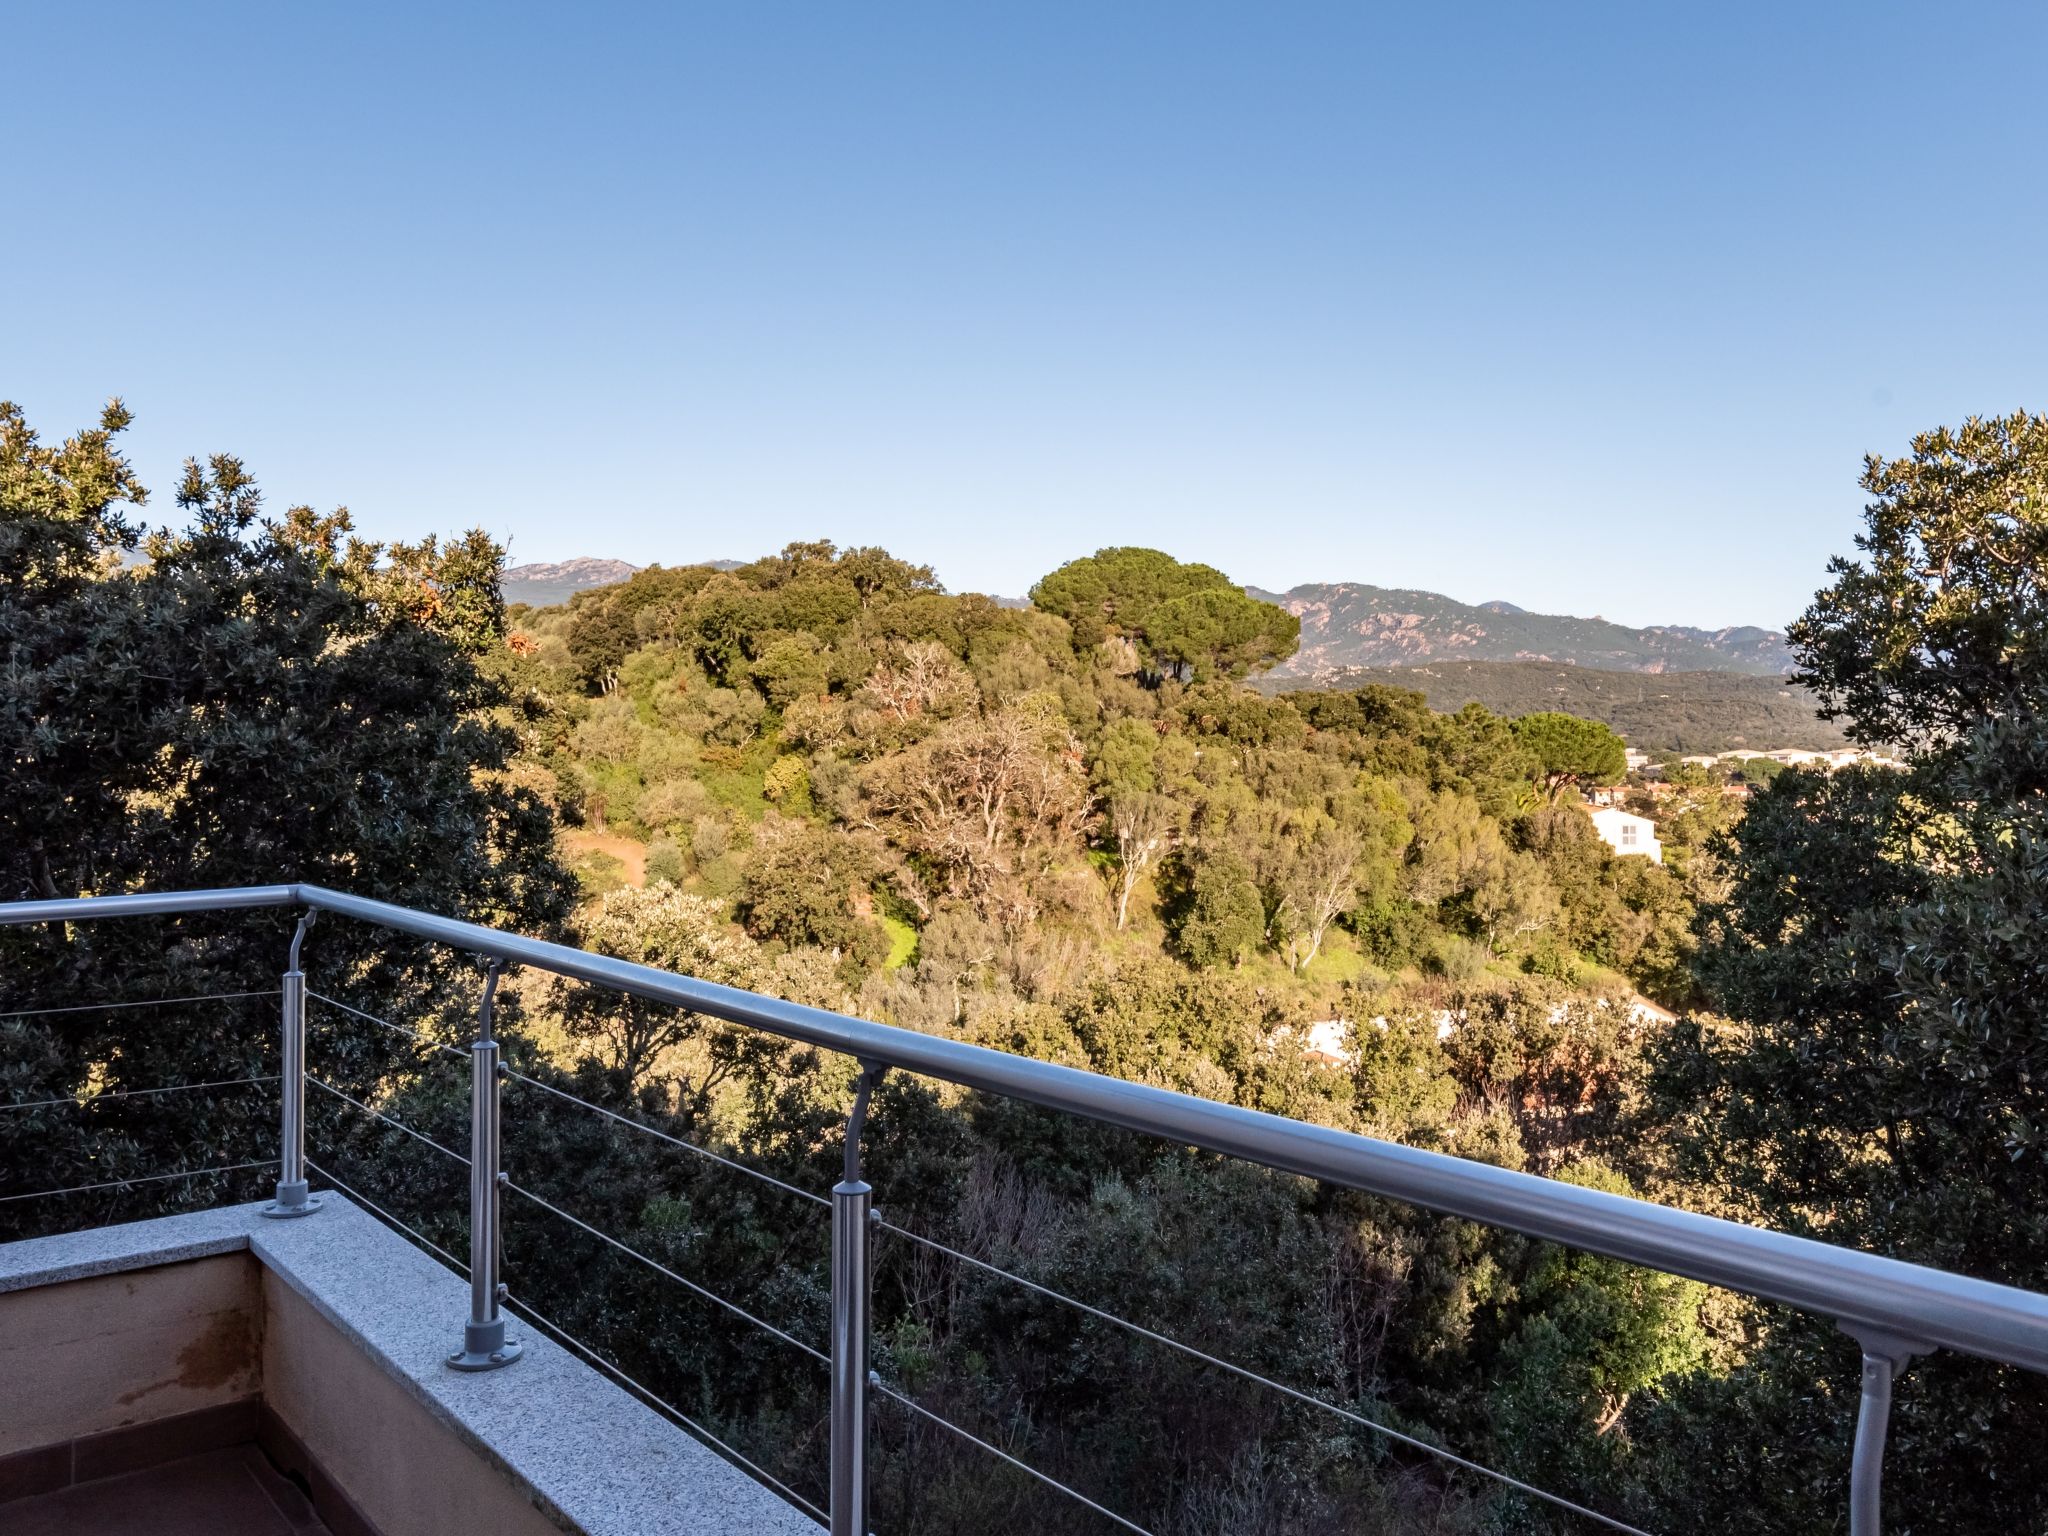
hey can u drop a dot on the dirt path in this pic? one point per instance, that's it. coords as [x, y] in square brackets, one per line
[629, 853]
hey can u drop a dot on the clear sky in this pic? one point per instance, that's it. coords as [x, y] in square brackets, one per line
[1592, 308]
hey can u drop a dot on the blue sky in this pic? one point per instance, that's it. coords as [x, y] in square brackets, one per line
[1593, 308]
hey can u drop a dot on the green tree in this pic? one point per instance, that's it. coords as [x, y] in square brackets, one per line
[1513, 899]
[1219, 632]
[1942, 619]
[1593, 1333]
[800, 889]
[879, 576]
[1188, 620]
[1317, 883]
[257, 702]
[1222, 918]
[1113, 591]
[790, 669]
[1881, 1075]
[1572, 753]
[678, 931]
[600, 636]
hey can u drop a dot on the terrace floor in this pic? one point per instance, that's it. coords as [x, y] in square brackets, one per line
[231, 1492]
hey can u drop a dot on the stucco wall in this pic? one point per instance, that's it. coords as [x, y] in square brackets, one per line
[405, 1469]
[115, 1350]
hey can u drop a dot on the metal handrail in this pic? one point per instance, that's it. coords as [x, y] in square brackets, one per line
[1856, 1288]
[1894, 1309]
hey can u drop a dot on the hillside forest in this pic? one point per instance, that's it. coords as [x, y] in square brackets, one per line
[855, 762]
[1076, 832]
[1685, 712]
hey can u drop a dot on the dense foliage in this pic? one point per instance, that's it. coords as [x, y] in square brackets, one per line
[1658, 712]
[1937, 623]
[1068, 831]
[255, 702]
[1878, 1073]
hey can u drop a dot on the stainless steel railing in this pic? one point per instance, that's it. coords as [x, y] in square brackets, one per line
[1894, 1310]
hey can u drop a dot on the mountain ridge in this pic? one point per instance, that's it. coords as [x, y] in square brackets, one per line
[1657, 711]
[1348, 626]
[1354, 625]
[542, 584]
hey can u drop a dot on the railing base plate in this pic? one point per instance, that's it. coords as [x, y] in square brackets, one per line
[497, 1359]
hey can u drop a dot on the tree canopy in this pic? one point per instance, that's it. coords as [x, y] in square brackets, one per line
[1942, 618]
[1572, 753]
[1879, 1062]
[253, 702]
[1191, 620]
[1067, 831]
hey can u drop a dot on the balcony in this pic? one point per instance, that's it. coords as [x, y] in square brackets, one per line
[301, 1360]
[221, 1371]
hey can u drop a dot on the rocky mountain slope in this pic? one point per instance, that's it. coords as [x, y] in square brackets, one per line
[1661, 712]
[1348, 624]
[544, 584]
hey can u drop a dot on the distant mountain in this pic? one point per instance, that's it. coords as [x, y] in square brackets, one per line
[1663, 712]
[544, 585]
[1346, 624]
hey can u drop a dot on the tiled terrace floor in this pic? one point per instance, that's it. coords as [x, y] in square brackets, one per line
[234, 1492]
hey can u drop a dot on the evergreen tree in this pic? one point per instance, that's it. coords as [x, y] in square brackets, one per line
[1883, 1075]
[254, 703]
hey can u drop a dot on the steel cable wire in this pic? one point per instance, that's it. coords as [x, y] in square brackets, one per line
[394, 1123]
[1557, 1500]
[146, 1002]
[596, 1109]
[152, 1178]
[371, 1018]
[1413, 1442]
[687, 1146]
[378, 1210]
[996, 1450]
[519, 1306]
[662, 1269]
[137, 1093]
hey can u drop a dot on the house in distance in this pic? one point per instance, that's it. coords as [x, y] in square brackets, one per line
[1626, 833]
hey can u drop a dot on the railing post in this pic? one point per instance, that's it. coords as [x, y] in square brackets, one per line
[1884, 1356]
[852, 1213]
[484, 1345]
[292, 1197]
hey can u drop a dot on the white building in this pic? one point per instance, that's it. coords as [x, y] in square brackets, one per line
[1627, 833]
[1328, 1043]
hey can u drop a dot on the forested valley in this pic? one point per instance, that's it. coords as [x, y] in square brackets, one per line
[1656, 711]
[1074, 831]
